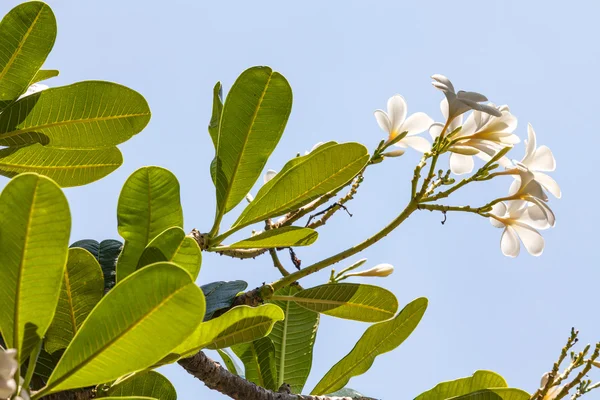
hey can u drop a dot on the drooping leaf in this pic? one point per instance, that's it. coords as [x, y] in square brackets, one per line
[84, 115]
[287, 236]
[217, 110]
[308, 178]
[34, 238]
[254, 116]
[106, 253]
[173, 245]
[359, 302]
[148, 205]
[44, 74]
[159, 301]
[258, 357]
[230, 363]
[479, 380]
[27, 34]
[144, 384]
[494, 394]
[377, 339]
[293, 340]
[241, 324]
[220, 295]
[67, 167]
[82, 289]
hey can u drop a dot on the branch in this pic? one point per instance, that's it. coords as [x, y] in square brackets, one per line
[217, 378]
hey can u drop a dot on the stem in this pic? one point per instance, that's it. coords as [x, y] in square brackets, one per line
[33, 357]
[277, 263]
[443, 208]
[287, 280]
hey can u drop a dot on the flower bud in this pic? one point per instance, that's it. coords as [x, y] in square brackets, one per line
[393, 153]
[249, 198]
[378, 270]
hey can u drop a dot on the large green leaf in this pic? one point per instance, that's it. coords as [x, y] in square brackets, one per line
[144, 384]
[27, 34]
[173, 245]
[377, 339]
[44, 74]
[239, 325]
[494, 394]
[34, 238]
[106, 252]
[148, 205]
[230, 363]
[479, 380]
[254, 116]
[85, 115]
[308, 178]
[82, 289]
[67, 167]
[220, 295]
[287, 236]
[217, 110]
[258, 357]
[157, 302]
[354, 301]
[294, 339]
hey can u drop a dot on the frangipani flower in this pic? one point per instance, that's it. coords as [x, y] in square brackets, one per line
[270, 174]
[461, 102]
[307, 152]
[518, 224]
[531, 191]
[378, 270]
[8, 368]
[538, 160]
[394, 122]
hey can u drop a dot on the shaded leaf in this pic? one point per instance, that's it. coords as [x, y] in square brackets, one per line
[220, 295]
[148, 205]
[308, 178]
[159, 301]
[494, 394]
[293, 339]
[144, 384]
[173, 245]
[34, 236]
[44, 74]
[106, 253]
[67, 167]
[27, 34]
[258, 357]
[377, 339]
[359, 302]
[479, 380]
[287, 236]
[82, 288]
[230, 362]
[217, 110]
[84, 115]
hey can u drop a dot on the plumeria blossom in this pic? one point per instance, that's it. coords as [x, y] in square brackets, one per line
[8, 368]
[381, 270]
[530, 190]
[538, 160]
[482, 134]
[394, 123]
[307, 152]
[461, 102]
[270, 174]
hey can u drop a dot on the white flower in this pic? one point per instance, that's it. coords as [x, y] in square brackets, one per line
[307, 152]
[378, 270]
[531, 191]
[519, 222]
[394, 122]
[482, 135]
[8, 367]
[552, 392]
[270, 174]
[36, 87]
[537, 160]
[461, 102]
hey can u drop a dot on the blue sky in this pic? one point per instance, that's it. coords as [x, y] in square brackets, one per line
[343, 60]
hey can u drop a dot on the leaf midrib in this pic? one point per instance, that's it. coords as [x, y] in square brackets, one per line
[56, 168]
[70, 301]
[222, 338]
[332, 302]
[283, 345]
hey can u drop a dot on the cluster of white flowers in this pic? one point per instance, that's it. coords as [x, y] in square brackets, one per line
[8, 368]
[486, 131]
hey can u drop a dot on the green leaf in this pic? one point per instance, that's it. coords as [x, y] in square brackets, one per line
[148, 205]
[294, 339]
[254, 116]
[220, 295]
[85, 115]
[106, 252]
[82, 288]
[144, 384]
[27, 34]
[44, 74]
[46, 363]
[479, 380]
[239, 325]
[307, 179]
[258, 357]
[494, 394]
[159, 301]
[230, 362]
[34, 238]
[67, 167]
[217, 110]
[377, 339]
[354, 301]
[287, 236]
[173, 245]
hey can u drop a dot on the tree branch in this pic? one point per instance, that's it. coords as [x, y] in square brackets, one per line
[217, 378]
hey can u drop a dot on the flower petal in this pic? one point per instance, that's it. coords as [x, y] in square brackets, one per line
[383, 121]
[471, 96]
[417, 142]
[514, 187]
[548, 183]
[543, 160]
[435, 130]
[270, 174]
[499, 209]
[396, 111]
[460, 164]
[509, 243]
[532, 240]
[416, 123]
[443, 80]
[530, 145]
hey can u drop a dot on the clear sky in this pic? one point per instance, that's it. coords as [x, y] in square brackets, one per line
[343, 60]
